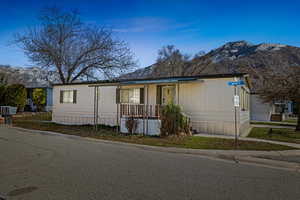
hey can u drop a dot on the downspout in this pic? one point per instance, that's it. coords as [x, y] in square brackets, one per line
[177, 93]
[144, 113]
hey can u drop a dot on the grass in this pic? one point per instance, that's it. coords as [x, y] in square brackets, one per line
[287, 122]
[291, 120]
[109, 133]
[283, 135]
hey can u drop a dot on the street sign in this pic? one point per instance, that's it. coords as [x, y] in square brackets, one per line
[236, 104]
[236, 101]
[236, 83]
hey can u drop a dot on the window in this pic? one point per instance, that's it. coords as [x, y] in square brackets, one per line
[130, 95]
[68, 96]
[244, 99]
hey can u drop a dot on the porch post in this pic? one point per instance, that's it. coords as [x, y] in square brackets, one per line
[95, 107]
[144, 110]
[147, 109]
[177, 93]
[118, 126]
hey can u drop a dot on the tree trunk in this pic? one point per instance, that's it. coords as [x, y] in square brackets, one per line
[298, 115]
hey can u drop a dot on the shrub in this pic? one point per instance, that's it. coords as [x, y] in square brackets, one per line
[39, 98]
[173, 121]
[15, 95]
[131, 124]
[2, 94]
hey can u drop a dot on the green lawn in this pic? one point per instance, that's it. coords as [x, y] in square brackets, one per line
[109, 133]
[283, 134]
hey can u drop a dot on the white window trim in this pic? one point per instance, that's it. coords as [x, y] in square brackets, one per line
[70, 97]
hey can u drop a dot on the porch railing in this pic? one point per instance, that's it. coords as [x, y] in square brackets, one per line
[140, 110]
[8, 110]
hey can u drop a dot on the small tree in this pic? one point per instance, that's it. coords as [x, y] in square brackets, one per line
[15, 95]
[280, 83]
[131, 124]
[2, 94]
[171, 59]
[39, 98]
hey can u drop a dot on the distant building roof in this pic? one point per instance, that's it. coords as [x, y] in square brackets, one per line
[37, 85]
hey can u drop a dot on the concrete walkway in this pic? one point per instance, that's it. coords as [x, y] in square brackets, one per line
[274, 123]
[251, 139]
[272, 126]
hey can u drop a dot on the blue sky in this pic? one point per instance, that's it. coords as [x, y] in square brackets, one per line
[190, 25]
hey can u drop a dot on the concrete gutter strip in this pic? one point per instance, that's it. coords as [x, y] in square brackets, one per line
[239, 156]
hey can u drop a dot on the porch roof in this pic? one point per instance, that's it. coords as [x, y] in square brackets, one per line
[157, 81]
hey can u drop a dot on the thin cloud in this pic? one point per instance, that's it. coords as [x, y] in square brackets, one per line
[148, 24]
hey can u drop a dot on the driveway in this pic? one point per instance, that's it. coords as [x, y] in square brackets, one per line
[45, 166]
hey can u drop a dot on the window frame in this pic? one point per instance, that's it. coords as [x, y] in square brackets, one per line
[70, 96]
[136, 93]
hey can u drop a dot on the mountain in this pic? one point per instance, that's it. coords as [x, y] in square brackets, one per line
[239, 56]
[29, 76]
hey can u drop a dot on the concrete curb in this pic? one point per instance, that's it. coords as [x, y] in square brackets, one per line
[239, 156]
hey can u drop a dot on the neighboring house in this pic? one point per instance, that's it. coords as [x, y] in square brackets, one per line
[262, 111]
[30, 106]
[206, 99]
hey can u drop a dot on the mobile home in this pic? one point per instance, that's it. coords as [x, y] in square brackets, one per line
[206, 99]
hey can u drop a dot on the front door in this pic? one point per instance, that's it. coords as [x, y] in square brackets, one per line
[168, 94]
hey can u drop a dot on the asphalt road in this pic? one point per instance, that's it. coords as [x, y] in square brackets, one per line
[44, 166]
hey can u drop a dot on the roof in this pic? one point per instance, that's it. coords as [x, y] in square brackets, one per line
[154, 80]
[33, 85]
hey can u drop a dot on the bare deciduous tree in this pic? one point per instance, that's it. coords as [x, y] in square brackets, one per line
[171, 58]
[280, 83]
[62, 43]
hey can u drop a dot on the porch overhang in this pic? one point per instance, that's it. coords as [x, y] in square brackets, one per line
[158, 81]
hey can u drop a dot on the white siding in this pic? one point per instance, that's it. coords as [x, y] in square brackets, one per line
[209, 104]
[260, 111]
[83, 111]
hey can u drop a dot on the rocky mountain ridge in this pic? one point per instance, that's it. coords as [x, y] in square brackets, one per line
[239, 56]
